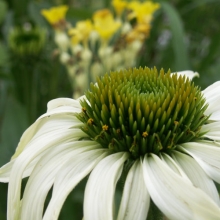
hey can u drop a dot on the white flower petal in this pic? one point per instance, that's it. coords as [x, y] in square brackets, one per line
[55, 123]
[37, 146]
[52, 120]
[212, 130]
[188, 73]
[207, 155]
[73, 171]
[81, 98]
[44, 174]
[197, 175]
[135, 199]
[176, 197]
[45, 125]
[61, 110]
[174, 166]
[100, 188]
[59, 102]
[61, 106]
[36, 135]
[215, 116]
[6, 170]
[189, 169]
[27, 136]
[212, 90]
[212, 95]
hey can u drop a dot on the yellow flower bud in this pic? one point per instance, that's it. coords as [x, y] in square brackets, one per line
[105, 24]
[81, 32]
[142, 11]
[119, 6]
[55, 15]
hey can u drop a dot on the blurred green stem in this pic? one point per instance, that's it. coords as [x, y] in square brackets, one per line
[154, 213]
[30, 86]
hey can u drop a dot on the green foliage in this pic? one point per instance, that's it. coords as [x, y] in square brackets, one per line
[3, 10]
[178, 36]
[8, 145]
[3, 54]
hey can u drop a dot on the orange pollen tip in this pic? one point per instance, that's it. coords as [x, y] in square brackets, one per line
[84, 109]
[144, 134]
[105, 127]
[90, 121]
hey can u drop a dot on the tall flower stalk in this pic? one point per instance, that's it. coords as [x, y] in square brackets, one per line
[26, 45]
[108, 41]
[156, 130]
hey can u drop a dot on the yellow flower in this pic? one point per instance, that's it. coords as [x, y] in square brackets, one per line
[75, 39]
[55, 15]
[139, 32]
[105, 24]
[119, 6]
[81, 32]
[142, 11]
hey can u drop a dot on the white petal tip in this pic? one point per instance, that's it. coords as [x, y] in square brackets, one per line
[188, 73]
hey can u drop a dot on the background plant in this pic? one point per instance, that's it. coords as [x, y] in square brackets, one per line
[185, 35]
[109, 40]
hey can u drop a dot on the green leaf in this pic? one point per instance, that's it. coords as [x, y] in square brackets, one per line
[3, 54]
[79, 13]
[3, 10]
[196, 4]
[209, 75]
[178, 35]
[13, 124]
[34, 9]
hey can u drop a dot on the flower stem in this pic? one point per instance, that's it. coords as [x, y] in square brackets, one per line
[154, 213]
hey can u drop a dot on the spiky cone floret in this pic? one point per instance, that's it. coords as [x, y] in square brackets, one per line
[160, 129]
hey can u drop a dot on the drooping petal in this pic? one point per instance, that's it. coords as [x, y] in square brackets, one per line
[56, 106]
[174, 196]
[60, 109]
[207, 155]
[212, 95]
[58, 125]
[100, 188]
[188, 168]
[37, 147]
[197, 175]
[211, 90]
[215, 116]
[212, 130]
[44, 174]
[38, 134]
[63, 102]
[44, 124]
[174, 166]
[6, 169]
[82, 97]
[188, 73]
[135, 199]
[73, 171]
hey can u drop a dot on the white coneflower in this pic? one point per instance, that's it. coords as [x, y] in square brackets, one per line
[160, 129]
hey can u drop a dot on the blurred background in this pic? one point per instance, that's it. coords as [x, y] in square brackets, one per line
[184, 35]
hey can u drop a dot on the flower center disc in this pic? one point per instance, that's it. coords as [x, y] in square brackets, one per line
[142, 111]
